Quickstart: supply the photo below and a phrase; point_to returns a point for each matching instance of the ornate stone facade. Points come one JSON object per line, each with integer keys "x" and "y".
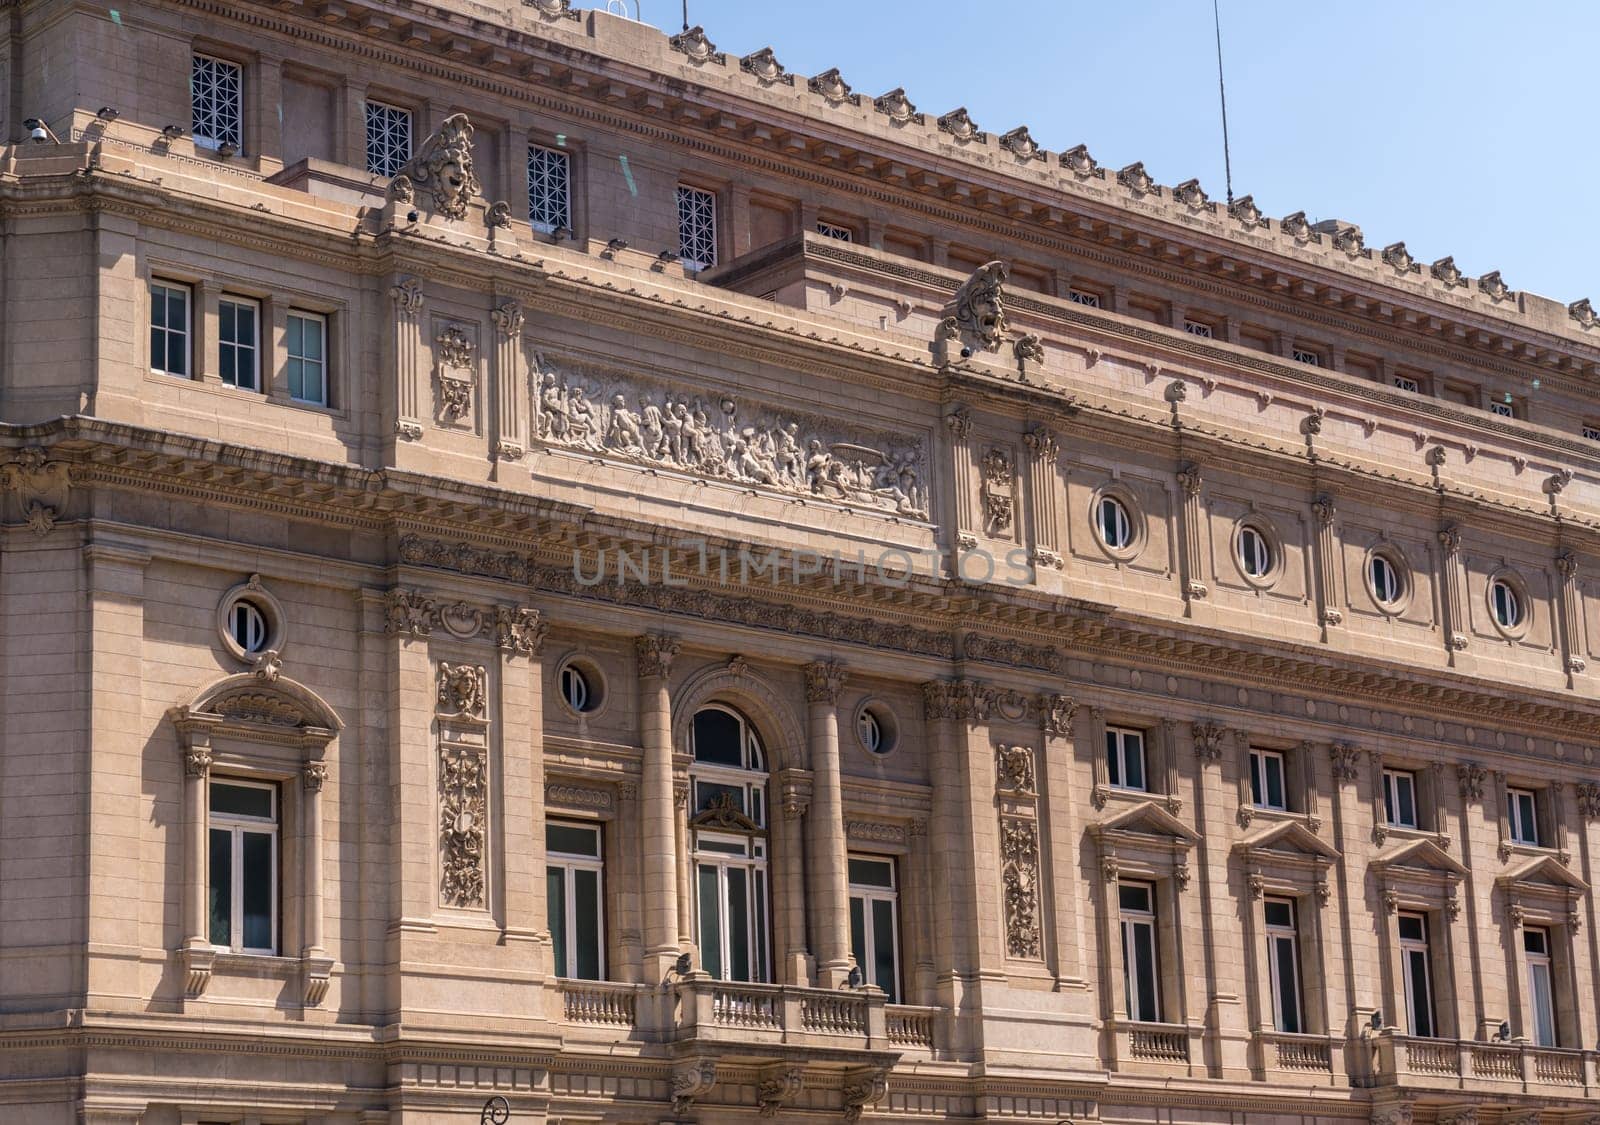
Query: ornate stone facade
{"x": 775, "y": 686}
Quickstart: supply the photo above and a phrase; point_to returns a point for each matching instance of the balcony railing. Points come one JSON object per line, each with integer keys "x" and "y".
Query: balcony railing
{"x": 1305, "y": 1054}
{"x": 1404, "y": 1060}
{"x": 1153, "y": 1042}
{"x": 599, "y": 1002}
{"x": 910, "y": 1027}
{"x": 772, "y": 1013}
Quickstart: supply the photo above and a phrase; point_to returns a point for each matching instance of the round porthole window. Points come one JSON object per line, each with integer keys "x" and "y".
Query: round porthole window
{"x": 1255, "y": 552}
{"x": 581, "y": 685}
{"x": 1116, "y": 529}
{"x": 250, "y": 621}
{"x": 876, "y": 729}
{"x": 1506, "y": 602}
{"x": 1388, "y": 587}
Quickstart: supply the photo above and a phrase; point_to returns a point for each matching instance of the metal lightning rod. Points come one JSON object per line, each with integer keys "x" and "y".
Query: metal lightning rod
{"x": 1222, "y": 93}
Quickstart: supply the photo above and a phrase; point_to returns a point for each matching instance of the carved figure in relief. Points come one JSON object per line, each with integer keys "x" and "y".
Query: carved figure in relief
{"x": 710, "y": 438}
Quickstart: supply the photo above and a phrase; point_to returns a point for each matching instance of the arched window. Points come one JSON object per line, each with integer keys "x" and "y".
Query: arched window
{"x": 729, "y": 825}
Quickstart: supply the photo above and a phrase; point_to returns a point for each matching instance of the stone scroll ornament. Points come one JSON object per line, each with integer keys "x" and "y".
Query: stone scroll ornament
{"x": 713, "y": 436}
{"x": 441, "y": 170}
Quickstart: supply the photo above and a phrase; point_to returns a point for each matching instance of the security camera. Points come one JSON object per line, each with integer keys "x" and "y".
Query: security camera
{"x": 107, "y": 113}
{"x": 38, "y": 132}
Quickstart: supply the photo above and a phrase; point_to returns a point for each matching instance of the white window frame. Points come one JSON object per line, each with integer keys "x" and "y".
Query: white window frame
{"x": 569, "y": 864}
{"x": 1260, "y": 553}
{"x": 867, "y": 894}
{"x": 697, "y": 227}
{"x": 1522, "y": 823}
{"x": 549, "y": 191}
{"x": 393, "y": 147}
{"x": 1260, "y": 761}
{"x": 1121, "y": 522}
{"x": 1388, "y": 590}
{"x": 254, "y": 345}
{"x": 1284, "y": 940}
{"x": 237, "y": 824}
{"x": 1505, "y": 602}
{"x": 1131, "y": 922}
{"x": 1392, "y": 780}
{"x": 1541, "y": 987}
{"x": 1083, "y": 297}
{"x": 158, "y": 286}
{"x": 870, "y": 731}
{"x": 1305, "y": 356}
{"x": 255, "y": 627}
{"x": 1118, "y": 755}
{"x": 1412, "y": 953}
{"x": 218, "y": 110}
{"x": 575, "y": 683}
{"x": 321, "y": 320}
{"x": 758, "y": 893}
{"x": 834, "y": 230}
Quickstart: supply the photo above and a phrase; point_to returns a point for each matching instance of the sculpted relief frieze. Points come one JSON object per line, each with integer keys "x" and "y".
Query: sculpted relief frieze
{"x": 724, "y": 439}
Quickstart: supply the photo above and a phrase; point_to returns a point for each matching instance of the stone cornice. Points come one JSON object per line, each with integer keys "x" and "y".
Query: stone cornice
{"x": 1028, "y": 196}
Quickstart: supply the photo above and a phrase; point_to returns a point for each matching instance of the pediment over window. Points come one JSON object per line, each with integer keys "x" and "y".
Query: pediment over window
{"x": 1420, "y": 857}
{"x": 1150, "y": 821}
{"x": 1541, "y": 873}
{"x": 1288, "y": 839}
{"x": 263, "y": 707}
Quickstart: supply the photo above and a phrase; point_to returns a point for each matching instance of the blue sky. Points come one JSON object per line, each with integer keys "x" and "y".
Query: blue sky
{"x": 1465, "y": 127}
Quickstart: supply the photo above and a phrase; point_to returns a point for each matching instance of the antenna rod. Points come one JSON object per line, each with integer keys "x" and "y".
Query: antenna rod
{"x": 1222, "y": 93}
{"x": 686, "y": 15}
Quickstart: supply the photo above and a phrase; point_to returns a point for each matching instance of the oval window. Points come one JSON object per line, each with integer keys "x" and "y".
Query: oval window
{"x": 248, "y": 626}
{"x": 1507, "y": 605}
{"x": 1255, "y": 553}
{"x": 1385, "y": 580}
{"x": 1116, "y": 530}
{"x": 575, "y": 689}
{"x": 871, "y": 731}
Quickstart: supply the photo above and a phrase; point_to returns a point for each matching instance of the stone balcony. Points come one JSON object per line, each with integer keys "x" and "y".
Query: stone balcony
{"x": 1278, "y": 1056}
{"x": 1448, "y": 1065}
{"x": 1160, "y": 1048}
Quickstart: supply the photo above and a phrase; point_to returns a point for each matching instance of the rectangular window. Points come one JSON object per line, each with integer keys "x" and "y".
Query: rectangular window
{"x": 1407, "y": 383}
{"x": 731, "y": 906}
{"x": 1267, "y": 780}
{"x": 832, "y": 230}
{"x": 1400, "y": 798}
{"x": 874, "y": 922}
{"x": 1083, "y": 297}
{"x": 1283, "y": 960}
{"x": 388, "y": 138}
{"x": 1140, "y": 969}
{"x": 697, "y": 227}
{"x": 549, "y": 190}
{"x": 1302, "y": 355}
{"x": 307, "y": 352}
{"x": 1523, "y": 815}
{"x": 1541, "y": 990}
{"x": 239, "y": 342}
{"x": 1418, "y": 982}
{"x": 1502, "y": 408}
{"x": 575, "y": 891}
{"x": 242, "y": 881}
{"x": 1195, "y": 328}
{"x": 169, "y": 328}
{"x": 1125, "y": 758}
{"x": 216, "y": 99}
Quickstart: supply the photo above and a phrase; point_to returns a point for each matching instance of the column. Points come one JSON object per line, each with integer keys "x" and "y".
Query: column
{"x": 1220, "y": 973}
{"x": 826, "y": 848}
{"x": 685, "y": 869}
{"x": 266, "y": 139}
{"x": 316, "y": 966}
{"x": 627, "y": 952}
{"x": 1056, "y": 713}
{"x": 406, "y": 293}
{"x": 510, "y": 440}
{"x": 1351, "y": 832}
{"x": 1043, "y": 510}
{"x": 413, "y": 835}
{"x": 1571, "y": 632}
{"x": 922, "y": 920}
{"x": 1327, "y": 558}
{"x": 1190, "y": 531}
{"x": 519, "y": 638}
{"x": 1452, "y": 589}
{"x": 959, "y": 422}
{"x": 196, "y": 785}
{"x": 658, "y": 842}
{"x": 795, "y": 799}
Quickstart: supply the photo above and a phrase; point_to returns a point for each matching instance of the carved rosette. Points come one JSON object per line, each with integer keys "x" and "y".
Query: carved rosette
{"x": 824, "y": 680}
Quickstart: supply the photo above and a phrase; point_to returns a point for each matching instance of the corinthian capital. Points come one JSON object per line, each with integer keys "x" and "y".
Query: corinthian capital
{"x": 655, "y": 651}
{"x": 824, "y": 680}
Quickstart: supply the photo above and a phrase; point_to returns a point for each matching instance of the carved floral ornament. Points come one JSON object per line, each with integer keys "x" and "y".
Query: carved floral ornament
{"x": 463, "y": 815}
{"x": 1351, "y": 241}
{"x": 824, "y": 681}
{"x": 40, "y": 484}
{"x": 714, "y": 436}
{"x": 999, "y": 477}
{"x": 1019, "y": 856}
{"x": 1494, "y": 287}
{"x": 407, "y": 296}
{"x": 443, "y": 168}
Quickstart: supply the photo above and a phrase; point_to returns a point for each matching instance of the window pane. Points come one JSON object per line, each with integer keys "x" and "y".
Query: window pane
{"x": 313, "y": 339}
{"x": 586, "y": 912}
{"x": 1287, "y": 985}
{"x": 759, "y": 908}
{"x": 1279, "y": 913}
{"x": 710, "y": 925}
{"x": 158, "y": 306}
{"x": 1133, "y": 764}
{"x": 1134, "y": 896}
{"x": 572, "y": 840}
{"x": 241, "y": 800}
{"x": 295, "y": 333}
{"x": 1275, "y": 782}
{"x": 1420, "y": 999}
{"x": 871, "y": 872}
{"x": 1411, "y": 928}
{"x": 1255, "y": 779}
{"x": 1408, "y": 802}
{"x": 220, "y": 891}
{"x": 316, "y": 387}
{"x": 1113, "y": 756}
{"x": 883, "y": 951}
{"x": 258, "y": 890}
{"x": 1144, "y": 942}
{"x": 858, "y": 930}
{"x": 177, "y": 353}
{"x": 716, "y": 738}
{"x": 555, "y": 889}
{"x": 738, "y": 924}
{"x": 1544, "y": 1013}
